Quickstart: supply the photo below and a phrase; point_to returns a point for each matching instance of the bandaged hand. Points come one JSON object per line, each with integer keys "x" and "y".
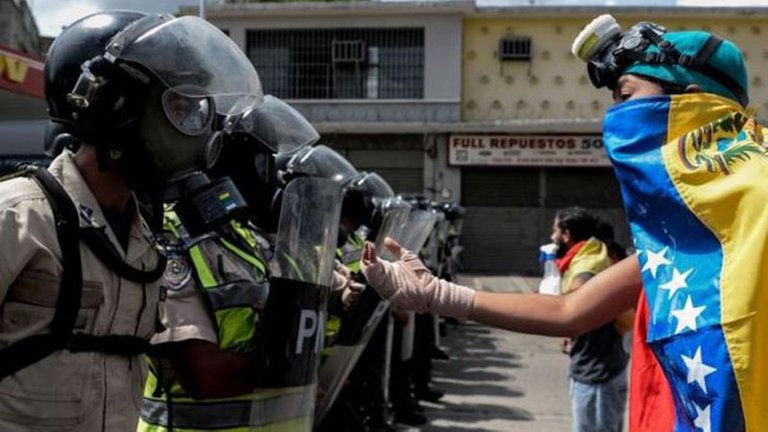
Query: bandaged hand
{"x": 408, "y": 284}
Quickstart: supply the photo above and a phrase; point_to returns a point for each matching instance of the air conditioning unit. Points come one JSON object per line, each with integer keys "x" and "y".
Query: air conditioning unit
{"x": 348, "y": 51}
{"x": 515, "y": 48}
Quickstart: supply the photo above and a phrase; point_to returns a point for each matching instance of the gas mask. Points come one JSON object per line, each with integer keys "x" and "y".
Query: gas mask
{"x": 254, "y": 139}
{"x": 190, "y": 76}
{"x": 609, "y": 52}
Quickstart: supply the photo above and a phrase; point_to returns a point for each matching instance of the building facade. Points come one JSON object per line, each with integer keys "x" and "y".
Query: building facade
{"x": 17, "y": 27}
{"x": 485, "y": 106}
{"x": 22, "y": 106}
{"x": 21, "y": 66}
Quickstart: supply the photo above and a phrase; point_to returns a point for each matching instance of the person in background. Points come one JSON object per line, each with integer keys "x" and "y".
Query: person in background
{"x": 605, "y": 234}
{"x": 598, "y": 362}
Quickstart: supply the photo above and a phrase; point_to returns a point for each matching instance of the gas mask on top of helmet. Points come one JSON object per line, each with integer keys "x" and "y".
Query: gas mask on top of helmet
{"x": 609, "y": 52}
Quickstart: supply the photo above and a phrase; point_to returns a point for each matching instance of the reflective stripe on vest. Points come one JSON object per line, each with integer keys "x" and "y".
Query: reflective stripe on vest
{"x": 233, "y": 304}
{"x": 235, "y": 308}
{"x": 245, "y": 256}
{"x": 272, "y": 409}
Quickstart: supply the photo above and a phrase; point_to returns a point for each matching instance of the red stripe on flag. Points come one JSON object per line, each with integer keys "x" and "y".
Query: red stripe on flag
{"x": 650, "y": 398}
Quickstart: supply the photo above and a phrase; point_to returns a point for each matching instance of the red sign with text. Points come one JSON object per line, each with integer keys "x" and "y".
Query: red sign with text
{"x": 21, "y": 73}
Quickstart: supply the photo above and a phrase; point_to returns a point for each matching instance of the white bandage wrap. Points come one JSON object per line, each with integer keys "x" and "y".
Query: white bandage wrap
{"x": 409, "y": 285}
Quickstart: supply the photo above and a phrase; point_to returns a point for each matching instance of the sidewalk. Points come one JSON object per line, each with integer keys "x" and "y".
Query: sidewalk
{"x": 498, "y": 380}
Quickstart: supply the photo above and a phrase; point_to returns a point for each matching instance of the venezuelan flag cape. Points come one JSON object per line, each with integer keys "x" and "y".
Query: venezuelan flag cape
{"x": 693, "y": 171}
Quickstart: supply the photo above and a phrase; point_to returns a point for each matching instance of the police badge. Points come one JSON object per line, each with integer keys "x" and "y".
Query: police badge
{"x": 177, "y": 271}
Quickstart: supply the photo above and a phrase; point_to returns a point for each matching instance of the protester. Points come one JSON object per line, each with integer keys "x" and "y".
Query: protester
{"x": 598, "y": 384}
{"x": 691, "y": 163}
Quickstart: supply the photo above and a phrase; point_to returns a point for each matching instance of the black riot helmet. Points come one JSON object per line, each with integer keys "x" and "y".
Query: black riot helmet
{"x": 147, "y": 92}
{"x": 417, "y": 200}
{"x": 252, "y": 140}
{"x": 365, "y": 201}
{"x": 453, "y": 211}
{"x": 306, "y": 161}
{"x": 82, "y": 41}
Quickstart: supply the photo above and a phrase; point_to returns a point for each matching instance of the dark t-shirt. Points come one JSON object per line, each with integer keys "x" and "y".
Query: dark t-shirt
{"x": 598, "y": 356}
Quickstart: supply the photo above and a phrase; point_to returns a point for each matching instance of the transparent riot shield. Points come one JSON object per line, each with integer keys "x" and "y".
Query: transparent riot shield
{"x": 420, "y": 225}
{"x": 430, "y": 252}
{"x": 359, "y": 324}
{"x": 396, "y": 224}
{"x": 295, "y": 313}
{"x": 413, "y": 235}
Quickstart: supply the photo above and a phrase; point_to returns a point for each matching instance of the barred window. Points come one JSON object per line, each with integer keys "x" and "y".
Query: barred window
{"x": 339, "y": 63}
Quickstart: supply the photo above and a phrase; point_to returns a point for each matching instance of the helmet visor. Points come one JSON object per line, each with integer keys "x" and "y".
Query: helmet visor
{"x": 189, "y": 53}
{"x": 275, "y": 123}
{"x": 373, "y": 185}
{"x": 321, "y": 161}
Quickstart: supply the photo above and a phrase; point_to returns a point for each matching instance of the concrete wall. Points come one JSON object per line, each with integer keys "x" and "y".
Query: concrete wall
{"x": 440, "y": 180}
{"x": 376, "y": 110}
{"x": 17, "y": 27}
{"x": 442, "y": 66}
{"x": 511, "y": 244}
{"x": 554, "y": 84}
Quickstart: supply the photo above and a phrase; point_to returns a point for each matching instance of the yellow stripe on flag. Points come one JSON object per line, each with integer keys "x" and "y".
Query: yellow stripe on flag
{"x": 726, "y": 187}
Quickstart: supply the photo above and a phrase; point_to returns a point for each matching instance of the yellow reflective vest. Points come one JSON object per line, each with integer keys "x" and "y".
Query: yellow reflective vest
{"x": 231, "y": 277}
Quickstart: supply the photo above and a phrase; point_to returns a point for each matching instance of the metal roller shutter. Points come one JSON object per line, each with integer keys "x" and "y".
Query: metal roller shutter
{"x": 584, "y": 187}
{"x": 501, "y": 226}
{"x": 510, "y": 212}
{"x": 500, "y": 188}
{"x": 399, "y": 159}
{"x": 403, "y": 179}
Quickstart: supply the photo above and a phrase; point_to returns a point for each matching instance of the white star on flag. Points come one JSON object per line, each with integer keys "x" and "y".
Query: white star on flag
{"x": 702, "y": 420}
{"x": 697, "y": 370}
{"x": 679, "y": 281}
{"x": 686, "y": 317}
{"x": 654, "y": 260}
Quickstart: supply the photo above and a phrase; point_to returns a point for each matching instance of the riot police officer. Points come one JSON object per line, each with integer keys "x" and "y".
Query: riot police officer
{"x": 217, "y": 344}
{"x": 79, "y": 266}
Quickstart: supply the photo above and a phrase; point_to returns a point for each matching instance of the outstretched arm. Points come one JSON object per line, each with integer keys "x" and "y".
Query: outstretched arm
{"x": 600, "y": 300}
{"x": 408, "y": 284}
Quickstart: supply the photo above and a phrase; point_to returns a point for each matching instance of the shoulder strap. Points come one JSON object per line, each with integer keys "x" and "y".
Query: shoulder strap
{"x": 34, "y": 348}
{"x": 98, "y": 242}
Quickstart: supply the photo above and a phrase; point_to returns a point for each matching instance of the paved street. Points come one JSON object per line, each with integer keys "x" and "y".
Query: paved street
{"x": 498, "y": 380}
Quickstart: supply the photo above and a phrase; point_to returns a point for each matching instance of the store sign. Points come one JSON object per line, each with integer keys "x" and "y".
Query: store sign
{"x": 20, "y": 73}
{"x": 527, "y": 150}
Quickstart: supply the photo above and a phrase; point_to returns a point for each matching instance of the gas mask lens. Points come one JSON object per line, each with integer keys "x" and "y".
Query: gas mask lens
{"x": 602, "y": 74}
{"x": 608, "y": 51}
{"x": 190, "y": 114}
